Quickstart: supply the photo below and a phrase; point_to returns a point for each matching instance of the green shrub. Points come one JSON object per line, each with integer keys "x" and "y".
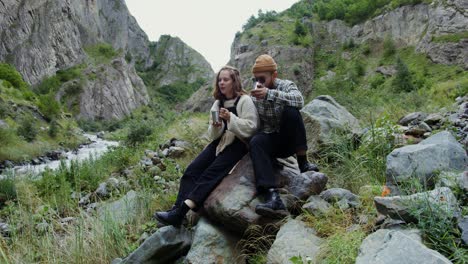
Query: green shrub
{"x": 48, "y": 106}
{"x": 376, "y": 80}
{"x": 138, "y": 133}
{"x": 403, "y": 81}
{"x": 53, "y": 128}
{"x": 269, "y": 16}
{"x": 299, "y": 29}
{"x": 357, "y": 11}
{"x": 389, "y": 47}
{"x": 27, "y": 128}
{"x": 451, "y": 37}
{"x": 101, "y": 53}
{"x": 7, "y": 136}
{"x": 7, "y": 190}
{"x": 10, "y": 74}
{"x": 51, "y": 84}
{"x": 439, "y": 230}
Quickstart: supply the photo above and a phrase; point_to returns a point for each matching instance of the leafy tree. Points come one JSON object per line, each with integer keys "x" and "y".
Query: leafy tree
{"x": 53, "y": 128}
{"x": 299, "y": 29}
{"x": 27, "y": 128}
{"x": 403, "y": 78}
{"x": 9, "y": 73}
{"x": 48, "y": 106}
{"x": 389, "y": 46}
{"x": 138, "y": 133}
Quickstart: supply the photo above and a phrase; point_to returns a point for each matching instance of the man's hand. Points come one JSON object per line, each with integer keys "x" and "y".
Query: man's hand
{"x": 225, "y": 114}
{"x": 259, "y": 93}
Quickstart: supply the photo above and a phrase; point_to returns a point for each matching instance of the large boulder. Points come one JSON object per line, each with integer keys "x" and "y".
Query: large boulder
{"x": 233, "y": 201}
{"x": 294, "y": 239}
{"x": 323, "y": 117}
{"x": 401, "y": 207}
{"x": 211, "y": 244}
{"x": 165, "y": 246}
{"x": 440, "y": 152}
{"x": 121, "y": 211}
{"x": 397, "y": 246}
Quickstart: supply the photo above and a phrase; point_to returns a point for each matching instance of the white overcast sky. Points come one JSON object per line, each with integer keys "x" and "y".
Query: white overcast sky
{"x": 208, "y": 26}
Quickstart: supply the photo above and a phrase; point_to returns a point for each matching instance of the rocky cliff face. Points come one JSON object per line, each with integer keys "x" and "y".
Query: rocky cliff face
{"x": 41, "y": 37}
{"x": 176, "y": 61}
{"x": 416, "y": 26}
{"x": 44, "y": 36}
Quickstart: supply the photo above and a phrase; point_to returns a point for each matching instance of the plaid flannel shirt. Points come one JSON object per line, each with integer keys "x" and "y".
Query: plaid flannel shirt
{"x": 283, "y": 93}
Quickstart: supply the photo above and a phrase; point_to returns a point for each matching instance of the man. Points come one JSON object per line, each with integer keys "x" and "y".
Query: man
{"x": 281, "y": 134}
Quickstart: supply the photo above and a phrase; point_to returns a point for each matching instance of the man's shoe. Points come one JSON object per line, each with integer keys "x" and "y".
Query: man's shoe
{"x": 308, "y": 167}
{"x": 273, "y": 206}
{"x": 173, "y": 217}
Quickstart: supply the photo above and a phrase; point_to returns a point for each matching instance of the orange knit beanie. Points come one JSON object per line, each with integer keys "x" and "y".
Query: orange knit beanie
{"x": 264, "y": 63}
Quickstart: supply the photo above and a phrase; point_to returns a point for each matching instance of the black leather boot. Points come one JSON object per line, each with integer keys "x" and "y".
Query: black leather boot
{"x": 273, "y": 206}
{"x": 308, "y": 167}
{"x": 173, "y": 217}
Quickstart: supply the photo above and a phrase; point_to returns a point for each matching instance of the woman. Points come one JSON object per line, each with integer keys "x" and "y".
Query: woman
{"x": 238, "y": 121}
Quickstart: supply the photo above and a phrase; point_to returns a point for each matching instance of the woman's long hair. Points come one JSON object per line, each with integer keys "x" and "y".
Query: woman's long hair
{"x": 236, "y": 83}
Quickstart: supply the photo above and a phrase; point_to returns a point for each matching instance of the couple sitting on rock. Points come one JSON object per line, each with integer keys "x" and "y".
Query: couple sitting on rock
{"x": 272, "y": 108}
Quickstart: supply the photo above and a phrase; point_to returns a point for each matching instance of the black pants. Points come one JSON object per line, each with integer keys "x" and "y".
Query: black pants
{"x": 207, "y": 171}
{"x": 265, "y": 148}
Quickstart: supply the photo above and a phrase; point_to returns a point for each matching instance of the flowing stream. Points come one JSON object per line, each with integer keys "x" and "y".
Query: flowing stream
{"x": 97, "y": 148}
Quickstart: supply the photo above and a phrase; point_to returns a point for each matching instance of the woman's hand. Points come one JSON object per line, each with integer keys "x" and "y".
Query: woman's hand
{"x": 217, "y": 124}
{"x": 225, "y": 114}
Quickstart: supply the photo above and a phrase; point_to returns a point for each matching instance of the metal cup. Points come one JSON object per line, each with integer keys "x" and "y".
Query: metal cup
{"x": 215, "y": 116}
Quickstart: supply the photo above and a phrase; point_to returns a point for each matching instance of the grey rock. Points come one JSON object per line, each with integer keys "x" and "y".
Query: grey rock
{"x": 165, "y": 152}
{"x": 440, "y": 152}
{"x": 5, "y": 230}
{"x": 419, "y": 129}
{"x": 101, "y": 134}
{"x": 85, "y": 200}
{"x": 3, "y": 124}
{"x": 113, "y": 183}
{"x": 330, "y": 75}
{"x": 401, "y": 207}
{"x": 123, "y": 210}
{"x": 116, "y": 261}
{"x": 113, "y": 94}
{"x": 447, "y": 179}
{"x": 212, "y": 244}
{"x": 143, "y": 237}
{"x": 386, "y": 70}
{"x": 412, "y": 25}
{"x": 156, "y": 160}
{"x": 146, "y": 162}
{"x": 175, "y": 152}
{"x": 102, "y": 190}
{"x": 43, "y": 227}
{"x": 91, "y": 207}
{"x": 155, "y": 170}
{"x": 397, "y": 246}
{"x": 233, "y": 201}
{"x": 463, "y": 181}
{"x": 38, "y": 48}
{"x": 323, "y": 117}
{"x": 164, "y": 246}
{"x": 200, "y": 101}
{"x": 316, "y": 205}
{"x": 181, "y": 144}
{"x": 341, "y": 196}
{"x": 416, "y": 116}
{"x": 294, "y": 239}
{"x": 67, "y": 220}
{"x": 433, "y": 119}
{"x": 463, "y": 226}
